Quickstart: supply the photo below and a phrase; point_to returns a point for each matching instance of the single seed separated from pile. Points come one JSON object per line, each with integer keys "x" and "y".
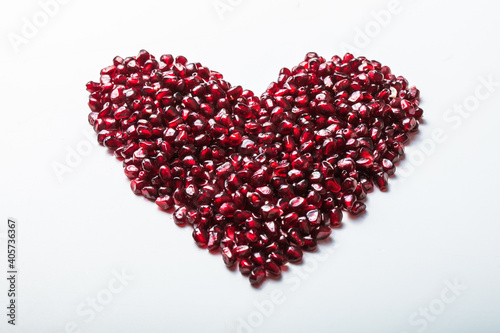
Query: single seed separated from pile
{"x": 261, "y": 179}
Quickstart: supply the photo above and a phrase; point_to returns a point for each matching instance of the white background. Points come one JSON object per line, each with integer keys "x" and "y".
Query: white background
{"x": 436, "y": 226}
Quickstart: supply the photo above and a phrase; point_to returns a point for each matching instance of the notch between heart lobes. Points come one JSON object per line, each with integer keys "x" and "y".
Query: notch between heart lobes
{"x": 260, "y": 179}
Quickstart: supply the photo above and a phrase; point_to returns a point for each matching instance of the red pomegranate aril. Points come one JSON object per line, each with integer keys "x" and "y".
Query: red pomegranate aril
{"x": 314, "y": 216}
{"x": 272, "y": 268}
{"x": 332, "y": 184}
{"x": 388, "y": 167}
{"x": 200, "y": 237}
{"x": 228, "y": 257}
{"x": 358, "y": 207}
{"x": 314, "y": 197}
{"x": 246, "y": 266}
{"x": 214, "y": 238}
{"x": 295, "y": 237}
{"x": 264, "y": 191}
{"x": 149, "y": 192}
{"x": 348, "y": 201}
{"x": 360, "y": 192}
{"x": 316, "y": 177}
{"x": 349, "y": 185}
{"x": 381, "y": 181}
{"x": 310, "y": 243}
{"x": 242, "y": 251}
{"x": 112, "y": 142}
{"x": 179, "y": 196}
{"x": 298, "y": 204}
{"x": 194, "y": 217}
{"x": 227, "y": 209}
{"x": 131, "y": 171}
{"x": 257, "y": 258}
{"x": 271, "y": 229}
{"x": 270, "y": 212}
{"x": 301, "y": 187}
{"x": 136, "y": 185}
{"x": 290, "y": 220}
{"x": 180, "y": 216}
{"x": 164, "y": 173}
{"x": 336, "y": 217}
{"x": 303, "y": 226}
{"x": 278, "y": 258}
{"x": 367, "y": 184}
{"x": 252, "y": 235}
{"x": 257, "y": 276}
{"x": 346, "y": 164}
{"x": 293, "y": 253}
{"x": 321, "y": 232}
{"x": 165, "y": 202}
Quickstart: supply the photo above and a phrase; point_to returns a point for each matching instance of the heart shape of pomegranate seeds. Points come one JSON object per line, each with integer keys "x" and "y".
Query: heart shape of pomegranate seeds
{"x": 261, "y": 179}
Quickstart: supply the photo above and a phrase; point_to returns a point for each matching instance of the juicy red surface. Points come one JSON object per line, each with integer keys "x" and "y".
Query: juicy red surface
{"x": 260, "y": 178}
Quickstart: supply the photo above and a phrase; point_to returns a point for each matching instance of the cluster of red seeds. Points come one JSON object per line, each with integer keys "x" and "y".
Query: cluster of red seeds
{"x": 264, "y": 178}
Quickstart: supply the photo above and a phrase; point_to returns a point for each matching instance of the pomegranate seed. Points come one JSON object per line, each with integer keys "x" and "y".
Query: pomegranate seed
{"x": 298, "y": 204}
{"x": 272, "y": 268}
{"x": 293, "y": 253}
{"x": 358, "y": 208}
{"x": 278, "y": 258}
{"x": 200, "y": 237}
{"x": 228, "y": 257}
{"x": 242, "y": 251}
{"x": 314, "y": 216}
{"x": 246, "y": 266}
{"x": 149, "y": 192}
{"x": 180, "y": 216}
{"x": 166, "y": 202}
{"x": 336, "y": 217}
{"x": 321, "y": 232}
{"x": 257, "y": 276}
{"x": 214, "y": 238}
{"x": 309, "y": 243}
{"x": 381, "y": 181}
{"x": 269, "y": 212}
{"x": 388, "y": 167}
{"x": 227, "y": 209}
